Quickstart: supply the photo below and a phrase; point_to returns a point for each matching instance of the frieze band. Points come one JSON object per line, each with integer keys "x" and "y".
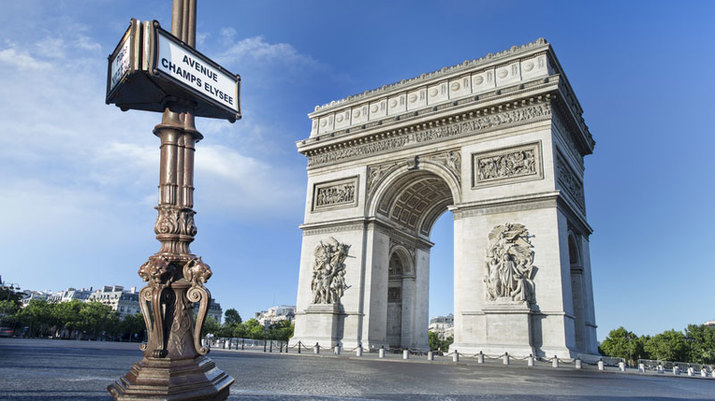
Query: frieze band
{"x": 431, "y": 135}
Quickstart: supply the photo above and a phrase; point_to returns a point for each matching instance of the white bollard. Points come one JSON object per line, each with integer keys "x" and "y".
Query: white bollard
{"x": 577, "y": 363}
{"x": 480, "y": 357}
{"x": 660, "y": 368}
{"x": 600, "y": 365}
{"x": 358, "y": 351}
{"x": 405, "y": 354}
{"x": 430, "y": 356}
{"x": 555, "y": 362}
{"x": 530, "y": 361}
{"x": 381, "y": 353}
{"x": 506, "y": 359}
{"x": 622, "y": 366}
{"x": 676, "y": 370}
{"x": 641, "y": 368}
{"x": 712, "y": 374}
{"x": 703, "y": 372}
{"x": 337, "y": 349}
{"x": 455, "y": 356}
{"x": 691, "y": 371}
{"x": 316, "y": 349}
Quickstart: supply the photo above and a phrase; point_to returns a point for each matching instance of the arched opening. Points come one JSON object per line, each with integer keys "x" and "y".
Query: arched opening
{"x": 577, "y": 290}
{"x": 410, "y": 205}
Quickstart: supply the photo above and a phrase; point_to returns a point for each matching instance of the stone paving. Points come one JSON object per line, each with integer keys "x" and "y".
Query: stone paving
{"x": 71, "y": 370}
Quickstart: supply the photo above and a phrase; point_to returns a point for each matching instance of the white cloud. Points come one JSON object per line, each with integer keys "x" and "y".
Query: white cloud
{"x": 258, "y": 54}
{"x": 21, "y": 60}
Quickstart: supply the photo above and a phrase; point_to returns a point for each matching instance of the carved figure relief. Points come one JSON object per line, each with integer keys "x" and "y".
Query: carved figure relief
{"x": 328, "y": 284}
{"x": 523, "y": 162}
{"x": 340, "y": 193}
{"x": 569, "y": 182}
{"x": 509, "y": 264}
{"x": 451, "y": 159}
{"x": 407, "y": 139}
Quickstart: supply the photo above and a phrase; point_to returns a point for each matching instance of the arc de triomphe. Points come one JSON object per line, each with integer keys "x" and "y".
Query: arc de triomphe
{"x": 499, "y": 142}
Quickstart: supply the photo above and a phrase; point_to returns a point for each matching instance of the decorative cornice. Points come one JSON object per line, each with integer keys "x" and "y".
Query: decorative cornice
{"x": 467, "y": 65}
{"x": 468, "y": 123}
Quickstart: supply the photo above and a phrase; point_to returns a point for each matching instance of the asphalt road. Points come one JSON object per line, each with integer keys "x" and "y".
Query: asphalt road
{"x": 69, "y": 370}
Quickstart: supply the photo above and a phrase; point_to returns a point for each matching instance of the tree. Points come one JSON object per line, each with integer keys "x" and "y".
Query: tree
{"x": 281, "y": 330}
{"x": 701, "y": 343}
{"x": 8, "y": 310}
{"x": 37, "y": 317}
{"x": 231, "y": 317}
{"x": 96, "y": 318}
{"x": 669, "y": 345}
{"x": 622, "y": 343}
{"x": 211, "y": 325}
{"x": 436, "y": 344}
{"x": 132, "y": 327}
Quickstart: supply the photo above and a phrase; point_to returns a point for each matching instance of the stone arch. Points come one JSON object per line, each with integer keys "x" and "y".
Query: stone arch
{"x": 414, "y": 195}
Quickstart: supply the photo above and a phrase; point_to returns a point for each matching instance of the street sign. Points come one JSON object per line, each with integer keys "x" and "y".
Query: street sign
{"x": 150, "y": 66}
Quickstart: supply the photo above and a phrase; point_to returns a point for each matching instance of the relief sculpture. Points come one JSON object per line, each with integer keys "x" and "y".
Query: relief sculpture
{"x": 507, "y": 165}
{"x": 336, "y": 193}
{"x": 328, "y": 284}
{"x": 509, "y": 269}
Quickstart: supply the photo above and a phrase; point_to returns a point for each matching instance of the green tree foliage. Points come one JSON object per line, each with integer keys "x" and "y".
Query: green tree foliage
{"x": 6, "y": 294}
{"x": 37, "y": 317}
{"x": 282, "y": 330}
{"x": 211, "y": 326}
{"x": 436, "y": 344}
{"x": 701, "y": 342}
{"x": 622, "y": 343}
{"x": 231, "y": 317}
{"x": 669, "y": 345}
{"x": 132, "y": 327}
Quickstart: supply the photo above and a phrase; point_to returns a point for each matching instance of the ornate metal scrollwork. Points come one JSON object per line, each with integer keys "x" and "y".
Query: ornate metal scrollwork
{"x": 196, "y": 272}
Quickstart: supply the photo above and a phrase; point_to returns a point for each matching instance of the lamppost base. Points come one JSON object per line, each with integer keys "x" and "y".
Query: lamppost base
{"x": 155, "y": 379}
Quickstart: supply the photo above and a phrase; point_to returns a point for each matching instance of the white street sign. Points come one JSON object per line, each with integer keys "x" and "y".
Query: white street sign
{"x": 195, "y": 72}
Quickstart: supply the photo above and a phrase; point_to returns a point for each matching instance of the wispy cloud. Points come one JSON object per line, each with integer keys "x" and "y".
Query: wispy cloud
{"x": 21, "y": 60}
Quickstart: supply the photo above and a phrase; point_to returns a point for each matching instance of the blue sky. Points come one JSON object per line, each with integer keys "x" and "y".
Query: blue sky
{"x": 78, "y": 178}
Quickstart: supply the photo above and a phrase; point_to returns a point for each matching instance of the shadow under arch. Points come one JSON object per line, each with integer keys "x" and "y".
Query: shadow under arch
{"x": 413, "y": 195}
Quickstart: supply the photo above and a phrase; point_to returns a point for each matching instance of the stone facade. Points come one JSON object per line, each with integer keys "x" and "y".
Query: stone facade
{"x": 499, "y": 142}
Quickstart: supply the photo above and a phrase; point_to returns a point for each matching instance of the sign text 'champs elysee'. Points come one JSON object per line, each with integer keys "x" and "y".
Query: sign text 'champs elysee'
{"x": 150, "y": 65}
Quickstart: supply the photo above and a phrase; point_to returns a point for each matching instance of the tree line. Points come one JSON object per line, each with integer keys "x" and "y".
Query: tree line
{"x": 696, "y": 344}
{"x": 74, "y": 319}
{"x": 233, "y": 326}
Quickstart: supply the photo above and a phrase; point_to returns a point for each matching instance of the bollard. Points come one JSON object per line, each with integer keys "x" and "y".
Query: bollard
{"x": 264, "y": 345}
{"x": 530, "y": 361}
{"x": 405, "y": 354}
{"x": 480, "y": 357}
{"x": 455, "y": 356}
{"x": 660, "y": 368}
{"x": 555, "y": 362}
{"x": 676, "y": 370}
{"x": 430, "y": 356}
{"x": 691, "y": 371}
{"x": 712, "y": 373}
{"x": 381, "y": 352}
{"x": 337, "y": 349}
{"x": 223, "y": 344}
{"x": 600, "y": 365}
{"x": 358, "y": 351}
{"x": 506, "y": 359}
{"x": 299, "y": 345}
{"x": 622, "y": 366}
{"x": 703, "y": 372}
{"x": 281, "y": 348}
{"x": 316, "y": 349}
{"x": 641, "y": 368}
{"x": 271, "y": 349}
{"x": 577, "y": 363}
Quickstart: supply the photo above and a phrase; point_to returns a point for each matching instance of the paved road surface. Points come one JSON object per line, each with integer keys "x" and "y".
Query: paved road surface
{"x": 69, "y": 370}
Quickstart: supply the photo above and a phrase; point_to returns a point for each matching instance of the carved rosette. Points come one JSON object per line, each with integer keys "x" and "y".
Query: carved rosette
{"x": 328, "y": 283}
{"x": 509, "y": 265}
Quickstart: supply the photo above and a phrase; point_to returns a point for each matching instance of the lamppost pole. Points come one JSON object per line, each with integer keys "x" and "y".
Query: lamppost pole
{"x": 174, "y": 366}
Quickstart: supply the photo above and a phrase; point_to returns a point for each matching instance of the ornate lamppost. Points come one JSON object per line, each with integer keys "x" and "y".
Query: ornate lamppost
{"x": 175, "y": 366}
